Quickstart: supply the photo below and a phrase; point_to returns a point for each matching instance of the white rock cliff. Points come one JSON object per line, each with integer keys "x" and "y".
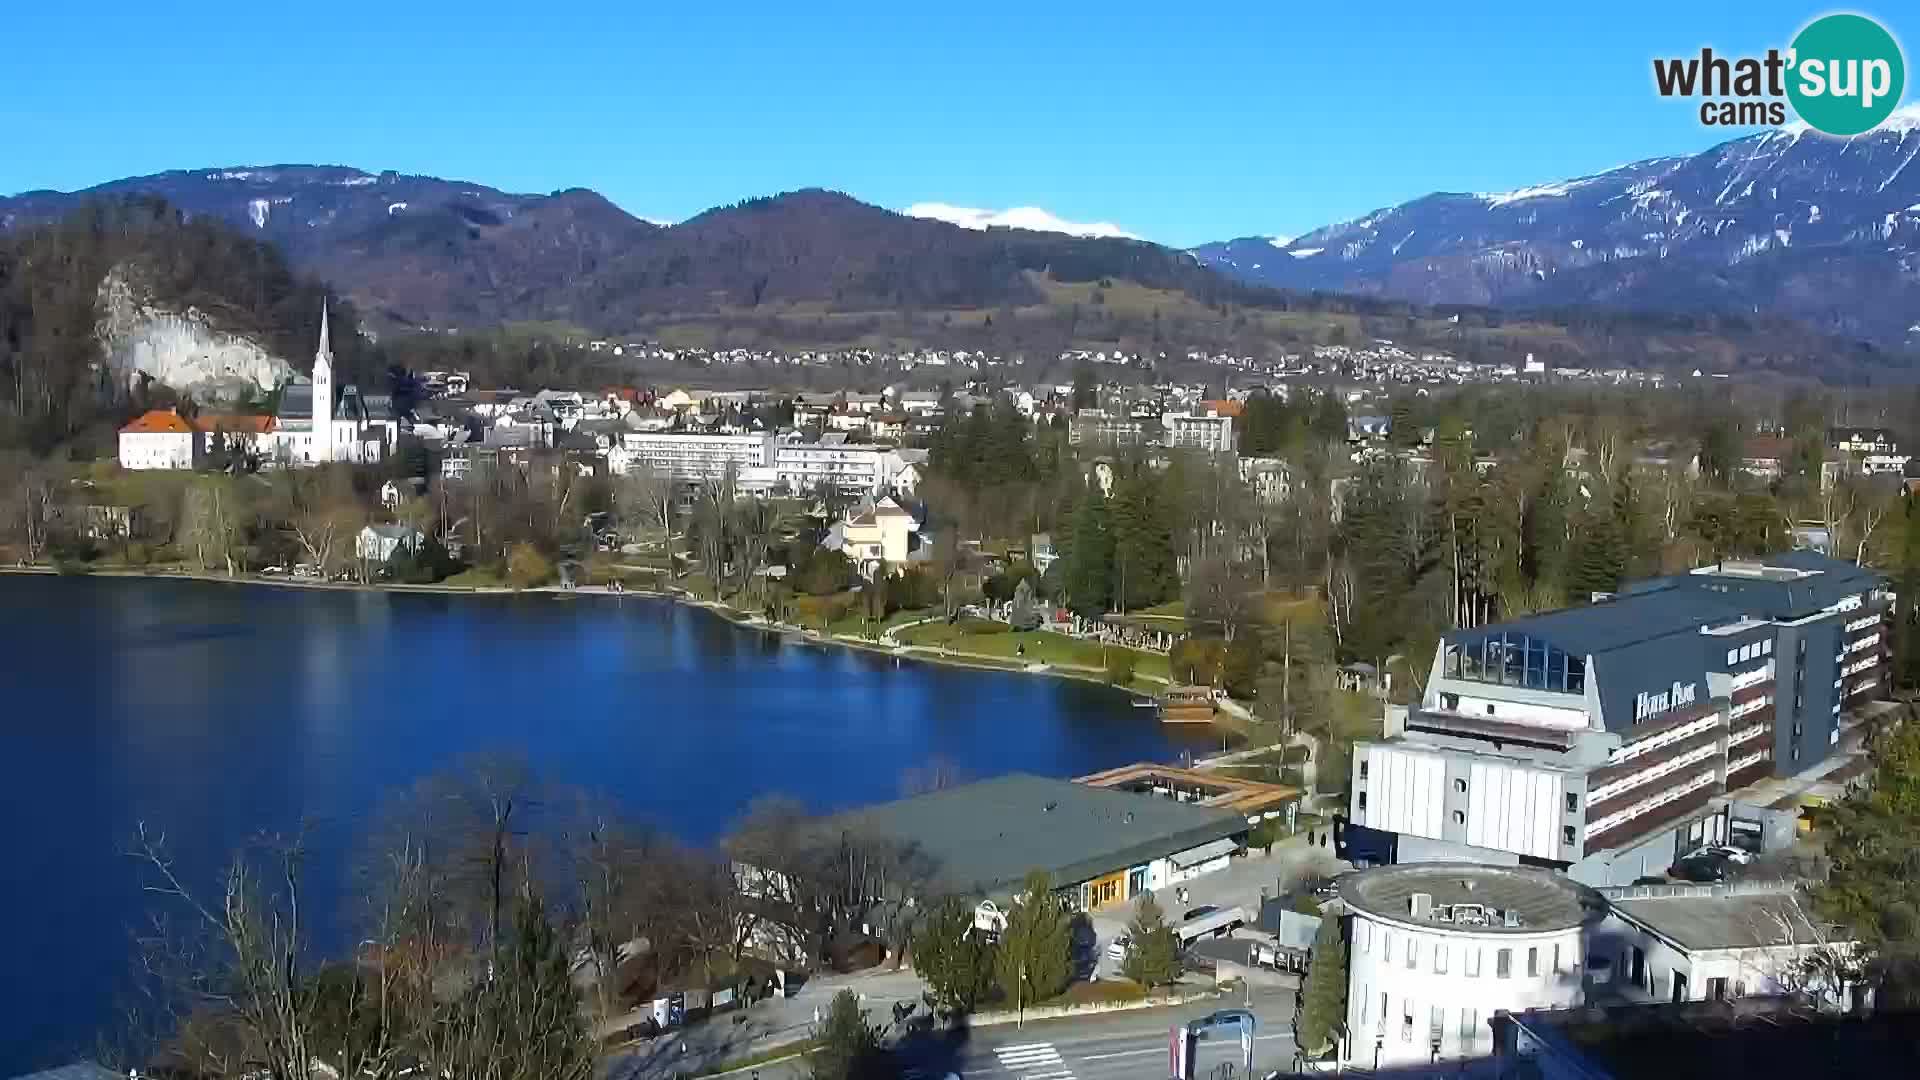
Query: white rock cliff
{"x": 180, "y": 349}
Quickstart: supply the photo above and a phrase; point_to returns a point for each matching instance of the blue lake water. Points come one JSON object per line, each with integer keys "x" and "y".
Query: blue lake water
{"x": 213, "y": 712}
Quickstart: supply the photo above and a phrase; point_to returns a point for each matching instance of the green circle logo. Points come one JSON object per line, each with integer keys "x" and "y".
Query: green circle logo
{"x": 1847, "y": 74}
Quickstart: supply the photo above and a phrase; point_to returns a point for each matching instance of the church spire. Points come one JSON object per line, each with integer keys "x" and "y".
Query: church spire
{"x": 326, "y": 345}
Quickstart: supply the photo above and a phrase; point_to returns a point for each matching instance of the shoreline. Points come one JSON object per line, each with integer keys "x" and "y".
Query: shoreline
{"x": 732, "y": 615}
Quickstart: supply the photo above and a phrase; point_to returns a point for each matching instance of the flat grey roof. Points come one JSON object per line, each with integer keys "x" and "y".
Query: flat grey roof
{"x": 985, "y": 837}
{"x": 1542, "y": 900}
{"x": 1700, "y": 918}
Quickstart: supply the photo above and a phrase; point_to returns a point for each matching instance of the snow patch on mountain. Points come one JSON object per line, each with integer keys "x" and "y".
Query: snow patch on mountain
{"x": 258, "y": 209}
{"x": 1303, "y": 253}
{"x": 1030, "y": 218}
{"x": 1539, "y": 191}
{"x": 1904, "y": 118}
{"x": 1281, "y": 241}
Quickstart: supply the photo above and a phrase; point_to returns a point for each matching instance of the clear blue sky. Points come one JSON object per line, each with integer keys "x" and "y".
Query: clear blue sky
{"x": 1235, "y": 119}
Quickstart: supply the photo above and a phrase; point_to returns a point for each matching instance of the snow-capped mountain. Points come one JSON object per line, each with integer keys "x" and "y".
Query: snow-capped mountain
{"x": 1787, "y": 222}
{"x": 1031, "y": 218}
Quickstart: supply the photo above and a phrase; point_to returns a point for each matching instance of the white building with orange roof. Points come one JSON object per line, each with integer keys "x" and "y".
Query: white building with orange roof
{"x": 160, "y": 439}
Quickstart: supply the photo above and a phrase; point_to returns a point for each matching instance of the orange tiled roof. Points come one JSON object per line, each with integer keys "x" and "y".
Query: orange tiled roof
{"x": 158, "y": 421}
{"x": 1228, "y": 407}
{"x": 235, "y": 422}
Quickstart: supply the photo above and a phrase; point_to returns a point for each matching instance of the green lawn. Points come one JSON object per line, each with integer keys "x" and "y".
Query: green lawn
{"x": 1040, "y": 647}
{"x": 854, "y": 624}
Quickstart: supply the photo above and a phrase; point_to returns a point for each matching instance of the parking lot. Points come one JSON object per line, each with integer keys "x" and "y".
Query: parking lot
{"x": 1240, "y": 884}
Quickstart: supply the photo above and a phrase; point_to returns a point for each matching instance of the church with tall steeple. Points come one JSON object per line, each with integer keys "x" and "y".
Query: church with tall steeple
{"x": 323, "y": 391}
{"x": 318, "y": 423}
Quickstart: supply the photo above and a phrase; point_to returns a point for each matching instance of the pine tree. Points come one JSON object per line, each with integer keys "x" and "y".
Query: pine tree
{"x": 1035, "y": 959}
{"x": 1088, "y": 557}
{"x": 1874, "y": 843}
{"x": 1143, "y": 540}
{"x": 848, "y": 1047}
{"x": 956, "y": 962}
{"x": 1153, "y": 958}
{"x": 1324, "y": 997}
{"x": 1599, "y": 560}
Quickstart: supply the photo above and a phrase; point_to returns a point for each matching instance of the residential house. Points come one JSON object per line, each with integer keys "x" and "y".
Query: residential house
{"x": 1869, "y": 450}
{"x": 1270, "y": 478}
{"x": 1765, "y": 456}
{"x": 1041, "y": 552}
{"x": 379, "y": 543}
{"x": 920, "y": 402}
{"x": 234, "y": 433}
{"x": 878, "y": 536}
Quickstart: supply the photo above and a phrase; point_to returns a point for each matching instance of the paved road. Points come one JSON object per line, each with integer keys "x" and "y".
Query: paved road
{"x": 1116, "y": 1046}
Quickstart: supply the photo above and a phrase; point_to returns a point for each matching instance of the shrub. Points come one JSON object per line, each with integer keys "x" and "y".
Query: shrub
{"x": 526, "y": 567}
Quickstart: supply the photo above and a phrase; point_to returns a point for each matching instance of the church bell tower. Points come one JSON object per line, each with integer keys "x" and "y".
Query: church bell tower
{"x": 323, "y": 393}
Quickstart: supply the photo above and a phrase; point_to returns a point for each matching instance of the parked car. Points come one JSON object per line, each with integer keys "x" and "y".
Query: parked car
{"x": 1194, "y": 913}
{"x": 1702, "y": 868}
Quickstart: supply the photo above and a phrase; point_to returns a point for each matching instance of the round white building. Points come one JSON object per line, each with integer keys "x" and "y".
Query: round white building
{"x": 1434, "y": 949}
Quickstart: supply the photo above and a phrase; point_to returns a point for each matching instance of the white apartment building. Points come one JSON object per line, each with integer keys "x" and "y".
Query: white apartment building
{"x": 1210, "y": 431}
{"x": 803, "y": 465}
{"x": 686, "y": 456}
{"x": 1435, "y": 949}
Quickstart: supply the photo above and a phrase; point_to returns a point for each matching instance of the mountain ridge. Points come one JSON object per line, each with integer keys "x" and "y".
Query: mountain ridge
{"x": 1781, "y": 222}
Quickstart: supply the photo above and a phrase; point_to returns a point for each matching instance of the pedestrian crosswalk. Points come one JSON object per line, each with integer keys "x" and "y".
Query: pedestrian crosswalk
{"x": 1034, "y": 1061}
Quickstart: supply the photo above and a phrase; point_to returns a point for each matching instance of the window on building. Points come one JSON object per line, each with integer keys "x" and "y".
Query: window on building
{"x": 1406, "y": 1019}
{"x": 1440, "y": 958}
{"x": 1533, "y": 963}
{"x": 1503, "y": 964}
{"x": 1366, "y": 936}
{"x": 1362, "y": 802}
{"x": 1469, "y": 1026}
{"x": 1459, "y": 817}
{"x": 1733, "y": 657}
{"x": 1556, "y": 958}
{"x": 1489, "y": 708}
{"x": 1413, "y": 953}
{"x": 1573, "y": 802}
{"x": 1437, "y": 1025}
{"x": 1460, "y": 786}
{"x": 1383, "y": 1009}
{"x": 1363, "y": 768}
{"x": 1386, "y": 945}
{"x": 1472, "y": 957}
{"x": 1766, "y": 647}
{"x": 1567, "y": 835}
